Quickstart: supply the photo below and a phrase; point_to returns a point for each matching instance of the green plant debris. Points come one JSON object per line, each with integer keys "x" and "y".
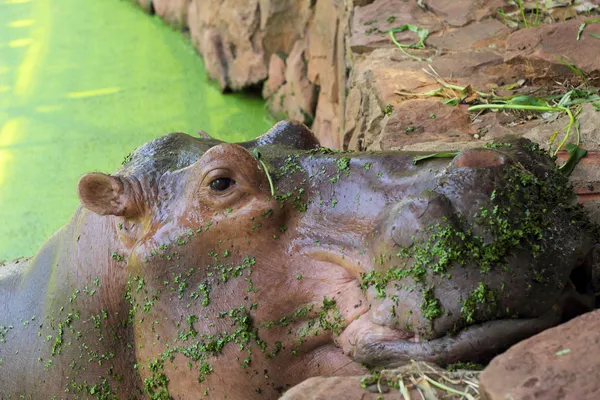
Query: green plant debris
{"x": 422, "y": 34}
{"x": 482, "y": 296}
{"x": 388, "y": 110}
{"x": 434, "y": 155}
{"x": 471, "y": 366}
{"x": 258, "y": 156}
{"x": 576, "y": 153}
{"x": 568, "y": 62}
{"x": 156, "y": 385}
{"x": 586, "y": 23}
{"x": 563, "y": 352}
{"x": 431, "y": 306}
{"x": 370, "y": 22}
{"x": 3, "y": 331}
{"x": 117, "y": 257}
{"x": 390, "y": 19}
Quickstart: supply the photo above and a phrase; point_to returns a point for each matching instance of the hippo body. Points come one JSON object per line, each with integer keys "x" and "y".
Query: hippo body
{"x": 185, "y": 275}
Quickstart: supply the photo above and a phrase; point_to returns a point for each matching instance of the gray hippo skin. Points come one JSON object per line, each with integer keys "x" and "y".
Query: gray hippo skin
{"x": 182, "y": 275}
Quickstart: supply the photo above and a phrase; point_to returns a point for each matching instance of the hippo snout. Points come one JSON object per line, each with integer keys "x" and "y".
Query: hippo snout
{"x": 491, "y": 252}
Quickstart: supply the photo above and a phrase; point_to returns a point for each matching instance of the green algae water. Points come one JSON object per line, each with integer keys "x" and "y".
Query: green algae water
{"x": 82, "y": 83}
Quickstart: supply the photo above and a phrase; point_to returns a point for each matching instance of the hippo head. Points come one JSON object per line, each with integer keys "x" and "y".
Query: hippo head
{"x": 253, "y": 266}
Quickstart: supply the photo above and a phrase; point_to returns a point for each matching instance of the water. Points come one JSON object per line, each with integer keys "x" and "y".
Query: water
{"x": 82, "y": 83}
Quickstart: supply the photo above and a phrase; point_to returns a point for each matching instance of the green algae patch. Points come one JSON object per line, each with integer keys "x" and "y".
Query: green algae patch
{"x": 87, "y": 107}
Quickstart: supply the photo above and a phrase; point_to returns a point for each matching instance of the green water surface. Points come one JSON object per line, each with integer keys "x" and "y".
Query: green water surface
{"x": 82, "y": 83}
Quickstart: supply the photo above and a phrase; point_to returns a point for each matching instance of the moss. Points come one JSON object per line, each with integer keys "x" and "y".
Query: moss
{"x": 3, "y": 331}
{"x": 471, "y": 366}
{"x": 431, "y": 306}
{"x": 480, "y": 297}
{"x": 156, "y": 385}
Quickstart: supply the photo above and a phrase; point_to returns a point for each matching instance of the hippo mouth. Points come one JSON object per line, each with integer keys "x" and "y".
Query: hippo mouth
{"x": 374, "y": 345}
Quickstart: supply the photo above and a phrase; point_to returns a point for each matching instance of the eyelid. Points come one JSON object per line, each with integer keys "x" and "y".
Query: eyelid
{"x": 216, "y": 174}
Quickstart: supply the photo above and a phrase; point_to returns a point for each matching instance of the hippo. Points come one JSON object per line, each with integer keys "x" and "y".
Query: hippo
{"x": 203, "y": 268}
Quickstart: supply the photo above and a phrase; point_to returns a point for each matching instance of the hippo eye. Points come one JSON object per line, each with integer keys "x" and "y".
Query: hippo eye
{"x": 221, "y": 184}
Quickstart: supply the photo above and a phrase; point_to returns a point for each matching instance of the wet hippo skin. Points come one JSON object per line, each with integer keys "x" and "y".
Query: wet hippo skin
{"x": 182, "y": 275}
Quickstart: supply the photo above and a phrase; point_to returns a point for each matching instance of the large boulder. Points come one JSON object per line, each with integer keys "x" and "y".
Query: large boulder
{"x": 560, "y": 363}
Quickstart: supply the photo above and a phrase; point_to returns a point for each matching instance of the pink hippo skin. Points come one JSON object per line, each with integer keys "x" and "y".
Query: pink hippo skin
{"x": 182, "y": 276}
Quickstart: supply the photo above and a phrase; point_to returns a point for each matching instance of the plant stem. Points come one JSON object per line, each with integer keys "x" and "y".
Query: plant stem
{"x": 268, "y": 177}
{"x": 535, "y": 108}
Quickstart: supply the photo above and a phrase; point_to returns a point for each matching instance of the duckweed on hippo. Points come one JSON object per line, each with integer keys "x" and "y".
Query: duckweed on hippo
{"x": 183, "y": 275}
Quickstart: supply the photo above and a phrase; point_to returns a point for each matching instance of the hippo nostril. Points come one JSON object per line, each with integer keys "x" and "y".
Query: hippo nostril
{"x": 578, "y": 294}
{"x": 479, "y": 158}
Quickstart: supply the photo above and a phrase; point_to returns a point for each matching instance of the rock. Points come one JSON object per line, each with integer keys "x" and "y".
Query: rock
{"x": 227, "y": 34}
{"x": 276, "y": 76}
{"x": 327, "y": 124}
{"x": 535, "y": 50}
{"x": 296, "y": 98}
{"x": 425, "y": 121}
{"x": 173, "y": 12}
{"x": 487, "y": 33}
{"x": 386, "y": 77}
{"x": 283, "y": 22}
{"x": 370, "y": 23}
{"x": 322, "y": 388}
{"x": 322, "y": 47}
{"x": 461, "y": 12}
{"x": 559, "y": 363}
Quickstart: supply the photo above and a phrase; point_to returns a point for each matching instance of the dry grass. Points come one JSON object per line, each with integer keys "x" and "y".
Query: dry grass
{"x": 423, "y": 381}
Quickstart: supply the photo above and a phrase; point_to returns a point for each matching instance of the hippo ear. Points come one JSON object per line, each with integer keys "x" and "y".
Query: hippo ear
{"x": 287, "y": 133}
{"x": 107, "y": 195}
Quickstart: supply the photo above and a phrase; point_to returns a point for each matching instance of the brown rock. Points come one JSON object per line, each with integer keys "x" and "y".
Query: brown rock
{"x": 326, "y": 125}
{"x": 461, "y": 12}
{"x": 370, "y": 22}
{"x": 335, "y": 387}
{"x": 276, "y": 76}
{"x": 487, "y": 33}
{"x": 385, "y": 74}
{"x": 173, "y": 12}
{"x": 560, "y": 363}
{"x": 426, "y": 120}
{"x": 283, "y": 22}
{"x": 322, "y": 48}
{"x": 296, "y": 98}
{"x": 536, "y": 50}
{"x": 227, "y": 34}
{"x": 215, "y": 56}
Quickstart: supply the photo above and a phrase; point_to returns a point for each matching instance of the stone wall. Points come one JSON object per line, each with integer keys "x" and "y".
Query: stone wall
{"x": 332, "y": 65}
{"x": 294, "y": 49}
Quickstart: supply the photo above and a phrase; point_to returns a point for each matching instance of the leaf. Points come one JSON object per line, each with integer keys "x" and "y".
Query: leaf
{"x": 434, "y": 155}
{"x": 576, "y": 153}
{"x": 528, "y": 101}
{"x": 552, "y": 137}
{"x": 594, "y": 35}
{"x": 580, "y": 31}
{"x": 597, "y": 105}
{"x": 452, "y": 102}
{"x": 256, "y": 153}
{"x": 422, "y": 34}
{"x": 586, "y": 23}
{"x": 563, "y": 352}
